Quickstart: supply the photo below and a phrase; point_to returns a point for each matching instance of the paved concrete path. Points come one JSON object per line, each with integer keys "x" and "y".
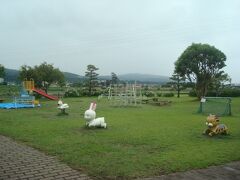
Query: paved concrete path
{"x": 230, "y": 171}
{"x": 18, "y": 161}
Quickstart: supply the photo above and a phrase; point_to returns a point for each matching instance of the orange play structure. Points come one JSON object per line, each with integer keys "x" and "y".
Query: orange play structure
{"x": 29, "y": 86}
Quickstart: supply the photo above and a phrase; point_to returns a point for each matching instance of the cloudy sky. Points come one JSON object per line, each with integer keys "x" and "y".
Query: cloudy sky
{"x": 121, "y": 36}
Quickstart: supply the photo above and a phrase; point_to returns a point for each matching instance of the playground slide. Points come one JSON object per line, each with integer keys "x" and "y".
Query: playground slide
{"x": 43, "y": 93}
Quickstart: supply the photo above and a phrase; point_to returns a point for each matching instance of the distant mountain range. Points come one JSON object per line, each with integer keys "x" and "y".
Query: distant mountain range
{"x": 73, "y": 78}
{"x": 12, "y": 76}
{"x": 144, "y": 78}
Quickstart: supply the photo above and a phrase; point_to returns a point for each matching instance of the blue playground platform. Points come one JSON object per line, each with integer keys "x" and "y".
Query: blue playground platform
{"x": 15, "y": 106}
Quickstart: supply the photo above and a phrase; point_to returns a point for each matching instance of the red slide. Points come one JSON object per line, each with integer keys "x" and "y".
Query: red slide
{"x": 43, "y": 93}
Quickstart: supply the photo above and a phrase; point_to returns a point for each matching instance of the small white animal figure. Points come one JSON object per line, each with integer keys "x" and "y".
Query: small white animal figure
{"x": 62, "y": 106}
{"x": 90, "y": 117}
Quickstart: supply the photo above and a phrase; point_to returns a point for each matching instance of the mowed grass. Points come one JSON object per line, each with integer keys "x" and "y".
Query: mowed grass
{"x": 139, "y": 141}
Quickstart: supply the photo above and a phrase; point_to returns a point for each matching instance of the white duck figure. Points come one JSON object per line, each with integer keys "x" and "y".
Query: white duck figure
{"x": 62, "y": 106}
{"x": 90, "y": 117}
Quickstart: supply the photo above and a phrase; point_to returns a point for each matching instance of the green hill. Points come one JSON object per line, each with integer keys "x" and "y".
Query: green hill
{"x": 11, "y": 75}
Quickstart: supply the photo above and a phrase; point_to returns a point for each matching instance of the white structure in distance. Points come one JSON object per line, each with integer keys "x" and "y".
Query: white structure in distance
{"x": 125, "y": 95}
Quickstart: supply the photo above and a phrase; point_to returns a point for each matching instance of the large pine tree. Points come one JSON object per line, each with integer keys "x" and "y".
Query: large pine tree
{"x": 91, "y": 77}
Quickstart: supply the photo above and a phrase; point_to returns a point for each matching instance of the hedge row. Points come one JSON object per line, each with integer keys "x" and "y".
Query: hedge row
{"x": 224, "y": 93}
{"x": 152, "y": 94}
{"x": 80, "y": 93}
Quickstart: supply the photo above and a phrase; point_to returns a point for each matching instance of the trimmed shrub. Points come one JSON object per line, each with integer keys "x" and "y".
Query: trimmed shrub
{"x": 71, "y": 93}
{"x": 82, "y": 92}
{"x": 149, "y": 94}
{"x": 97, "y": 93}
{"x": 192, "y": 93}
{"x": 159, "y": 94}
{"x": 224, "y": 93}
{"x": 230, "y": 93}
{"x": 155, "y": 99}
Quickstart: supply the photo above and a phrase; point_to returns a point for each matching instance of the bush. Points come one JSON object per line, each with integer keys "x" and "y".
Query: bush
{"x": 159, "y": 94}
{"x": 82, "y": 92}
{"x": 230, "y": 93}
{"x": 224, "y": 93}
{"x": 192, "y": 93}
{"x": 97, "y": 93}
{"x": 149, "y": 94}
{"x": 168, "y": 95}
{"x": 71, "y": 93}
{"x": 155, "y": 99}
{"x": 3, "y": 83}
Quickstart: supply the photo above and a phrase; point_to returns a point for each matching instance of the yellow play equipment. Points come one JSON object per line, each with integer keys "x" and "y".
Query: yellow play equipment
{"x": 28, "y": 84}
{"x": 214, "y": 127}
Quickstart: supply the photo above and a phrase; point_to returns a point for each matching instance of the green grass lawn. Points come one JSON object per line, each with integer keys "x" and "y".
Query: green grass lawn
{"x": 139, "y": 142}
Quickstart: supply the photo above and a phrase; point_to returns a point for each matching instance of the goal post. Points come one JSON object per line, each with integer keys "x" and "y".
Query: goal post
{"x": 220, "y": 106}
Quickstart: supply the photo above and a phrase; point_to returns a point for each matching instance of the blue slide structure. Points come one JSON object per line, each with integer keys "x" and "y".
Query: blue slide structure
{"x": 15, "y": 105}
{"x": 23, "y": 101}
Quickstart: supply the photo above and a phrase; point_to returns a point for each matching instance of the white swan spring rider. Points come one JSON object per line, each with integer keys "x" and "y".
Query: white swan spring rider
{"x": 90, "y": 117}
{"x": 62, "y": 106}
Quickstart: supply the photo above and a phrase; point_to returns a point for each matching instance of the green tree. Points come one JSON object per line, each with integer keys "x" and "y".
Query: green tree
{"x": 91, "y": 78}
{"x": 2, "y": 71}
{"x": 47, "y": 75}
{"x": 177, "y": 82}
{"x": 27, "y": 72}
{"x": 114, "y": 79}
{"x": 43, "y": 75}
{"x": 200, "y": 63}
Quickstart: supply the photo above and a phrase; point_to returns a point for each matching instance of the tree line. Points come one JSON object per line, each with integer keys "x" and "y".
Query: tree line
{"x": 200, "y": 65}
{"x": 44, "y": 75}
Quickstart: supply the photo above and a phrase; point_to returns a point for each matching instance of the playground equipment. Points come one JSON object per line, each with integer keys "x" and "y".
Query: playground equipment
{"x": 23, "y": 101}
{"x": 43, "y": 93}
{"x": 214, "y": 127}
{"x": 62, "y": 107}
{"x": 30, "y": 87}
{"x": 28, "y": 84}
{"x": 127, "y": 95}
{"x": 90, "y": 117}
{"x": 15, "y": 105}
{"x": 220, "y": 106}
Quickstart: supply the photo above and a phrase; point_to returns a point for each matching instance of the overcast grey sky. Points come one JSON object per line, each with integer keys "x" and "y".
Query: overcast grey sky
{"x": 121, "y": 36}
